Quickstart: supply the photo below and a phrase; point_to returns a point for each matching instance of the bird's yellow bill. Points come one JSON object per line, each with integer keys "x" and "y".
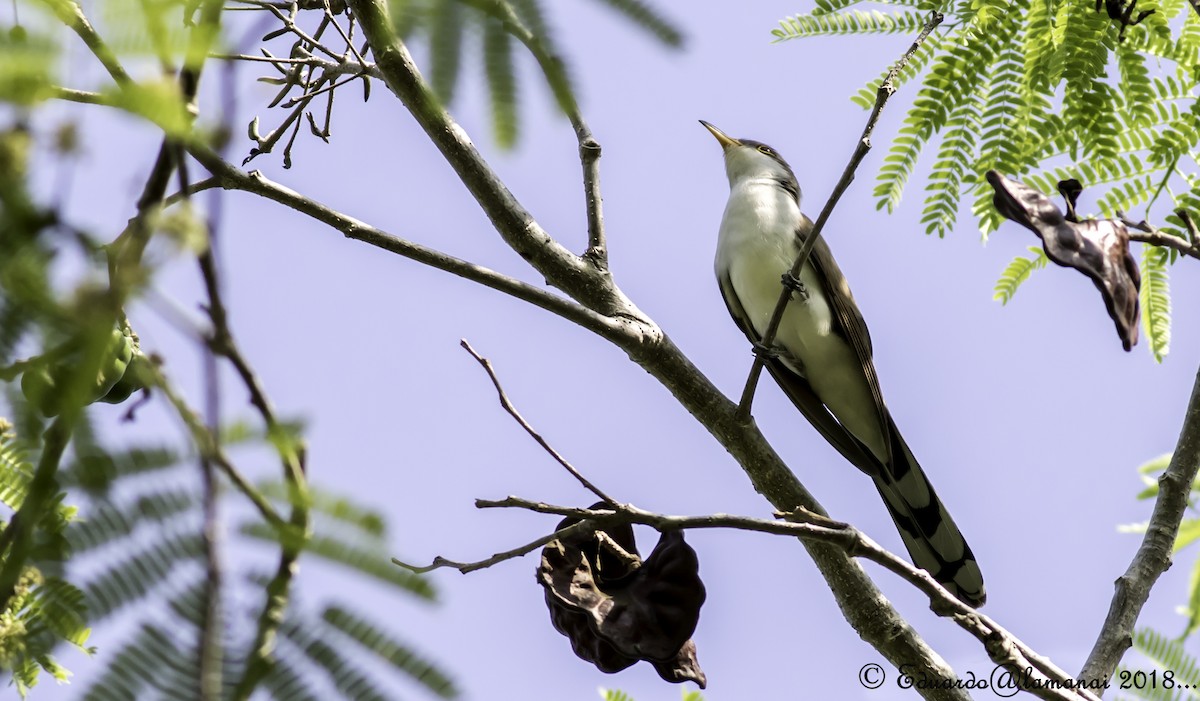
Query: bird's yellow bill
{"x": 725, "y": 140}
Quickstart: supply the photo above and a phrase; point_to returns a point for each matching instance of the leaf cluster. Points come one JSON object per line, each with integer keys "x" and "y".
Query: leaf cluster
{"x": 1042, "y": 91}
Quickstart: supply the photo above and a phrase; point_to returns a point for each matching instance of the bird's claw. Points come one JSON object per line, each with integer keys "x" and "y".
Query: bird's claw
{"x": 794, "y": 284}
{"x": 765, "y": 352}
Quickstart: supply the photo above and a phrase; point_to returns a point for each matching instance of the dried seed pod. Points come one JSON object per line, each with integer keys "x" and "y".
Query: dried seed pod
{"x": 617, "y": 609}
{"x": 1098, "y": 248}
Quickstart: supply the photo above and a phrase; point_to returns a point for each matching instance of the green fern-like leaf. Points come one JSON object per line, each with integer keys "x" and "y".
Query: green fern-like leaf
{"x": 130, "y": 672}
{"x": 1138, "y": 91}
{"x": 502, "y": 81}
{"x": 1155, "y": 298}
{"x": 1168, "y": 654}
{"x": 649, "y": 19}
{"x": 367, "y": 522}
{"x": 15, "y": 472}
{"x": 849, "y": 22}
{"x": 372, "y": 563}
{"x": 128, "y": 580}
{"x": 1193, "y": 605}
{"x": 395, "y": 653}
{"x": 614, "y": 695}
{"x": 1017, "y": 273}
{"x": 349, "y": 679}
{"x": 286, "y": 682}
{"x": 59, "y": 607}
{"x": 110, "y": 522}
{"x": 447, "y": 26}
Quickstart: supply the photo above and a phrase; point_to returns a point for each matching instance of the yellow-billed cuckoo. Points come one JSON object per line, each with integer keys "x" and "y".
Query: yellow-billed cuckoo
{"x": 821, "y": 356}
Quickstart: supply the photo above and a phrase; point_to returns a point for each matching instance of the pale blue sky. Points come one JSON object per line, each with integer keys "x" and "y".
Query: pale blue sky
{"x": 1029, "y": 419}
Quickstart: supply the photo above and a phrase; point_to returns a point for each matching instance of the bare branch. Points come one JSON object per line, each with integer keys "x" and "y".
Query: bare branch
{"x": 254, "y": 182}
{"x": 467, "y": 567}
{"x": 886, "y": 89}
{"x": 1038, "y": 676}
{"x": 512, "y": 411}
{"x": 1148, "y": 233}
{"x": 1154, "y": 555}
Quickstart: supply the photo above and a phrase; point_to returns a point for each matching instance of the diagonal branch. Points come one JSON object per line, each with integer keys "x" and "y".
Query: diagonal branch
{"x": 1154, "y": 555}
{"x": 886, "y": 89}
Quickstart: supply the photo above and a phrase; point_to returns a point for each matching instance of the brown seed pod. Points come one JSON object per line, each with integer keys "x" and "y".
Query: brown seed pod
{"x": 617, "y": 609}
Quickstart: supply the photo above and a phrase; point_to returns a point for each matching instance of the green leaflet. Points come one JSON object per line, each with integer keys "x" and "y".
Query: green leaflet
{"x": 646, "y": 17}
{"x": 849, "y": 22}
{"x": 1155, "y": 298}
{"x": 391, "y": 651}
{"x": 1022, "y": 86}
{"x": 1018, "y": 272}
{"x": 502, "y": 83}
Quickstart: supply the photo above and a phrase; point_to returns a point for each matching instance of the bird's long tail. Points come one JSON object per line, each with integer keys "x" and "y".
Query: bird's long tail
{"x": 930, "y": 534}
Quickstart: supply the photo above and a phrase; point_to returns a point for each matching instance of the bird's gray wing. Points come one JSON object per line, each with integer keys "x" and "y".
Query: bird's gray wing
{"x": 849, "y": 324}
{"x": 800, "y": 391}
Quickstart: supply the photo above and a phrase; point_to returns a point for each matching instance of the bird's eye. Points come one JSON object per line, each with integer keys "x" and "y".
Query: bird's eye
{"x": 766, "y": 150}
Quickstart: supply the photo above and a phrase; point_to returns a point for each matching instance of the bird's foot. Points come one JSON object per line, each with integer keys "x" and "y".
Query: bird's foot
{"x": 765, "y": 352}
{"x": 794, "y": 284}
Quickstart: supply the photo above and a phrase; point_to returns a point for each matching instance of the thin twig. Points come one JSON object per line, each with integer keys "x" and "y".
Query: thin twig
{"x": 512, "y": 411}
{"x": 255, "y": 182}
{"x": 886, "y": 89}
{"x": 292, "y": 455}
{"x": 589, "y": 147}
{"x": 209, "y": 447}
{"x": 1154, "y": 554}
{"x": 1044, "y": 679}
{"x": 468, "y": 567}
{"x": 209, "y": 650}
{"x": 71, "y": 14}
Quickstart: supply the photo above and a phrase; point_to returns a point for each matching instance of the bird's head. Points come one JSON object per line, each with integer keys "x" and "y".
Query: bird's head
{"x": 750, "y": 159}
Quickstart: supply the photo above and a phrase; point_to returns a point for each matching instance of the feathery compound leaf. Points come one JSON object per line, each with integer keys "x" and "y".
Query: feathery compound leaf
{"x": 395, "y": 653}
{"x": 446, "y": 45}
{"x": 369, "y": 562}
{"x": 349, "y": 678}
{"x": 502, "y": 81}
{"x": 955, "y": 75}
{"x": 553, "y": 69}
{"x": 110, "y": 521}
{"x": 950, "y": 167}
{"x": 129, "y": 580}
{"x": 1156, "y": 300}
{"x": 15, "y": 472}
{"x": 58, "y": 606}
{"x": 1193, "y": 605}
{"x": 849, "y": 22}
{"x": 97, "y": 469}
{"x": 1167, "y": 654}
{"x": 614, "y": 695}
{"x": 286, "y": 682}
{"x": 648, "y": 19}
{"x": 1137, "y": 90}
{"x": 130, "y": 672}
{"x": 370, "y": 522}
{"x": 1018, "y": 272}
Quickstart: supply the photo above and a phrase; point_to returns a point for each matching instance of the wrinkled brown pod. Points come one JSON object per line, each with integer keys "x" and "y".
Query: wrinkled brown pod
{"x": 617, "y": 609}
{"x": 1099, "y": 248}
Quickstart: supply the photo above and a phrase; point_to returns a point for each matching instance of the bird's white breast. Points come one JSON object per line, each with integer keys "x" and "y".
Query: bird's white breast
{"x": 756, "y": 245}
